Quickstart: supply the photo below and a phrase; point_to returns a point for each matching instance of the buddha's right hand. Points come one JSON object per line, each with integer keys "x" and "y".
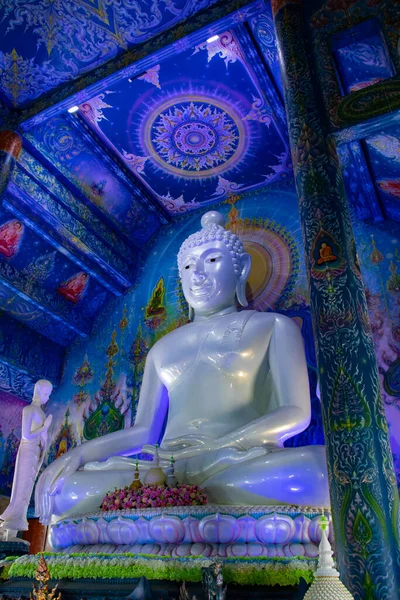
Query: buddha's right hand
{"x": 52, "y": 481}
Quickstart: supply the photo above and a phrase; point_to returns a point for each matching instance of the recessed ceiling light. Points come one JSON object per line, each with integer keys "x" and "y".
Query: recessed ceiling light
{"x": 73, "y": 109}
{"x": 212, "y": 39}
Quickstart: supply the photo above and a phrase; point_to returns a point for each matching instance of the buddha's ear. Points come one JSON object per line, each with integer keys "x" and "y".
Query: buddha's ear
{"x": 191, "y": 313}
{"x": 245, "y": 261}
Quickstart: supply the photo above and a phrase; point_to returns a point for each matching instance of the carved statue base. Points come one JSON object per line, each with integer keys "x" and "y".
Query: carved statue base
{"x": 209, "y": 531}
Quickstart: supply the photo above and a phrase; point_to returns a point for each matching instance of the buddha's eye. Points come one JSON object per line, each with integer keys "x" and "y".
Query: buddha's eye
{"x": 213, "y": 259}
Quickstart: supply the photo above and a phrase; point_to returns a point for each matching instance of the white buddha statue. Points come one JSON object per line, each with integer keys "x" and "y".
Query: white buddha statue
{"x": 31, "y": 451}
{"x": 234, "y": 386}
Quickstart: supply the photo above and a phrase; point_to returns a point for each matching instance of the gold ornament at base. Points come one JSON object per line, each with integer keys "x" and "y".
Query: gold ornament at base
{"x": 41, "y": 591}
{"x": 136, "y": 483}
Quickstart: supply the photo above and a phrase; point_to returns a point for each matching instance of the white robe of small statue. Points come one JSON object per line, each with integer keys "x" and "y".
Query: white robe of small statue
{"x": 31, "y": 451}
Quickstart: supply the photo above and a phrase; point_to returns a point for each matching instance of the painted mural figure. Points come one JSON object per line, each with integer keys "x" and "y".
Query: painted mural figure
{"x": 325, "y": 254}
{"x": 74, "y": 288}
{"x": 10, "y": 237}
{"x": 62, "y": 448}
{"x": 35, "y": 426}
{"x": 156, "y": 304}
{"x": 233, "y": 387}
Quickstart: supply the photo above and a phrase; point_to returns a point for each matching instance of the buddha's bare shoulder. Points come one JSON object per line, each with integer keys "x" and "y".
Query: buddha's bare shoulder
{"x": 170, "y": 338}
{"x": 271, "y": 320}
{"x": 268, "y": 317}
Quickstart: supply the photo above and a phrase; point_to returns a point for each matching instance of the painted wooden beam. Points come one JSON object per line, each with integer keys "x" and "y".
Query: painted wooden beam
{"x": 62, "y": 199}
{"x": 17, "y": 381}
{"x": 38, "y": 316}
{"x": 78, "y": 250}
{"x": 29, "y": 352}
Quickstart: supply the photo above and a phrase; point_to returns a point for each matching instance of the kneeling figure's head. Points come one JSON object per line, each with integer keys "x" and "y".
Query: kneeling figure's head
{"x": 213, "y": 267}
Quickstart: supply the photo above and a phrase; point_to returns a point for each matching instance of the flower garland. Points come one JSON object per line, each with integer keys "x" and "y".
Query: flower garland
{"x": 242, "y": 571}
{"x": 151, "y": 496}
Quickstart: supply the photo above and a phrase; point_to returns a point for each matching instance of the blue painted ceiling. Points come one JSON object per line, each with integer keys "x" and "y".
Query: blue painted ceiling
{"x": 196, "y": 126}
{"x": 45, "y": 44}
{"x": 190, "y": 130}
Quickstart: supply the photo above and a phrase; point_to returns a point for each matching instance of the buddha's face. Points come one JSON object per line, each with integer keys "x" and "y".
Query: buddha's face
{"x": 208, "y": 278}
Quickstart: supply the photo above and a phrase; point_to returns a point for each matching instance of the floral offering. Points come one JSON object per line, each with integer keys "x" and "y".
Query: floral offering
{"x": 154, "y": 497}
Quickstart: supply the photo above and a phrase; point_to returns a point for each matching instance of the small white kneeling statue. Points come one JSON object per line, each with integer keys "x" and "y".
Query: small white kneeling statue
{"x": 30, "y": 456}
{"x": 233, "y": 386}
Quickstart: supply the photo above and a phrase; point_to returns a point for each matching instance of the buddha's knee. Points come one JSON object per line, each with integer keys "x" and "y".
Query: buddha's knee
{"x": 284, "y": 476}
{"x": 84, "y": 491}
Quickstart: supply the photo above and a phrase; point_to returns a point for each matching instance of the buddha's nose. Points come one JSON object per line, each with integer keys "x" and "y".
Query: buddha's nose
{"x": 198, "y": 277}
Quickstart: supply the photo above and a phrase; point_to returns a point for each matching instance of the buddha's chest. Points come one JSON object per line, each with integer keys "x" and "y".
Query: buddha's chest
{"x": 204, "y": 353}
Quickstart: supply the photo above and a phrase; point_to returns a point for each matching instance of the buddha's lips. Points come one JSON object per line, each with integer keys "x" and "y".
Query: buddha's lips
{"x": 203, "y": 290}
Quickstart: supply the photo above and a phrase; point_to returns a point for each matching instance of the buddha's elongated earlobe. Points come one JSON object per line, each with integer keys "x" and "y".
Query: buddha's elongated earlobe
{"x": 245, "y": 260}
{"x": 191, "y": 313}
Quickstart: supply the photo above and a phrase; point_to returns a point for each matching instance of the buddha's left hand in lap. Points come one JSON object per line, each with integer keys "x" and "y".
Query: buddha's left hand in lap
{"x": 202, "y": 455}
{"x": 189, "y": 446}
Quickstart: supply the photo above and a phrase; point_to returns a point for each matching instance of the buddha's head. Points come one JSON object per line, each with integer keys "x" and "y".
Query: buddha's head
{"x": 42, "y": 391}
{"x": 213, "y": 267}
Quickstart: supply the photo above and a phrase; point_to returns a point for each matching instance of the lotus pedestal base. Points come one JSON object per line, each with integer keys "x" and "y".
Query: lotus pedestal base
{"x": 208, "y": 531}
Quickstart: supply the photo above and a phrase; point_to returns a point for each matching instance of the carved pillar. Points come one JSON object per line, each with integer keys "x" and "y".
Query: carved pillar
{"x": 10, "y": 147}
{"x": 363, "y": 488}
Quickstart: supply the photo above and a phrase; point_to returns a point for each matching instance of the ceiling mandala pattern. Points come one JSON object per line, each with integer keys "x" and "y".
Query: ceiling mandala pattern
{"x": 195, "y": 138}
{"x": 195, "y": 127}
{"x": 47, "y": 43}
